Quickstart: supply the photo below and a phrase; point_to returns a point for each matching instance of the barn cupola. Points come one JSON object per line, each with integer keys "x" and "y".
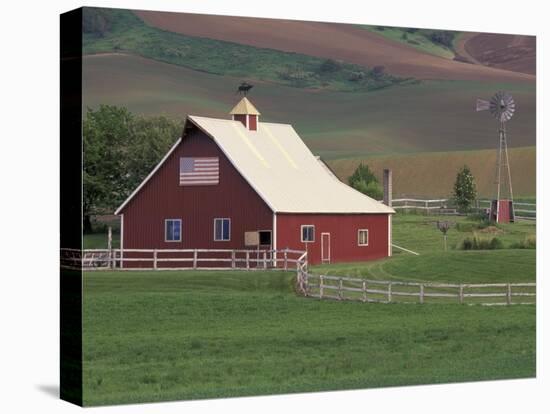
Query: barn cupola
{"x": 246, "y": 113}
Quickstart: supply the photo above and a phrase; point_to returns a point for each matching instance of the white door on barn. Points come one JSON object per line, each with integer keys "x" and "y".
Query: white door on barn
{"x": 325, "y": 247}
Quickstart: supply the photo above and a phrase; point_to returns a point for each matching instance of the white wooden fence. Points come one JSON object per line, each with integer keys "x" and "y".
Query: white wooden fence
{"x": 183, "y": 259}
{"x": 524, "y": 211}
{"x": 386, "y": 291}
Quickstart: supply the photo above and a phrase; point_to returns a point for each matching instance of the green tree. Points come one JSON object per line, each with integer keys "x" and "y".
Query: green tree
{"x": 364, "y": 180}
{"x": 120, "y": 149}
{"x": 464, "y": 191}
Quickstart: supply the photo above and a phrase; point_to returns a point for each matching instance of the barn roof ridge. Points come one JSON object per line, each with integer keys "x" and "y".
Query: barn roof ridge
{"x": 280, "y": 168}
{"x": 301, "y": 185}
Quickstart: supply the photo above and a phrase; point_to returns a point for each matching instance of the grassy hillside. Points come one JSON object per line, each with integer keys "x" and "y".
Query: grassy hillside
{"x": 432, "y": 174}
{"x": 421, "y": 39}
{"x": 347, "y": 42}
{"x": 115, "y": 30}
{"x": 431, "y": 116}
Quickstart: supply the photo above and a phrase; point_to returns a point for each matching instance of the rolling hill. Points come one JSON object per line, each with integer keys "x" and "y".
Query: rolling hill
{"x": 350, "y": 43}
{"x": 430, "y": 116}
{"x": 505, "y": 51}
{"x": 417, "y": 118}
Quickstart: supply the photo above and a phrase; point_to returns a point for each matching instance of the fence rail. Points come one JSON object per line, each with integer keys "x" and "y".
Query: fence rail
{"x": 182, "y": 259}
{"x": 388, "y": 291}
{"x": 525, "y": 211}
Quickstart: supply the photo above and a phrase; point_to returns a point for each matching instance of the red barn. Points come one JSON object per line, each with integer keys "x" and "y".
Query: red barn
{"x": 224, "y": 178}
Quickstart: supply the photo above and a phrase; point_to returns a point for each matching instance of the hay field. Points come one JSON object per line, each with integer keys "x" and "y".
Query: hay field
{"x": 432, "y": 174}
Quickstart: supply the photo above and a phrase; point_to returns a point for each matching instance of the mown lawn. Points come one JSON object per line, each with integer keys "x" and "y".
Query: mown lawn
{"x": 419, "y": 233}
{"x": 153, "y": 336}
{"x": 184, "y": 335}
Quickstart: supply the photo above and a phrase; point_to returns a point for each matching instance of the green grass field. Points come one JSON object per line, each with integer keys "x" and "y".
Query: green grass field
{"x": 419, "y": 233}
{"x": 152, "y": 336}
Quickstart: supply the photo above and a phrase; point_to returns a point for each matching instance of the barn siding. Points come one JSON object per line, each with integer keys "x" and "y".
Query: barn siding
{"x": 343, "y": 234}
{"x": 163, "y": 198}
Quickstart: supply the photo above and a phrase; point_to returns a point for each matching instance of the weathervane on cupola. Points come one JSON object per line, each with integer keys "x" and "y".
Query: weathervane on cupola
{"x": 244, "y": 111}
{"x": 243, "y": 88}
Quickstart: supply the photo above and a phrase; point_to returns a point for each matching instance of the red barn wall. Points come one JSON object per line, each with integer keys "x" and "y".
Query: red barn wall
{"x": 163, "y": 198}
{"x": 343, "y": 235}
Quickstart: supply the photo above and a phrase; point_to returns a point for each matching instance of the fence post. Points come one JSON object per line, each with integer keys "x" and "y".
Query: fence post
{"x": 233, "y": 259}
{"x": 340, "y": 292}
{"x": 421, "y": 293}
{"x": 265, "y": 260}
{"x": 195, "y": 259}
{"x": 364, "y": 291}
{"x": 155, "y": 259}
{"x": 509, "y": 294}
{"x": 110, "y": 246}
{"x": 426, "y": 205}
{"x": 321, "y": 286}
{"x": 389, "y": 292}
{"x": 286, "y": 258}
{"x": 247, "y": 260}
{"x": 461, "y": 294}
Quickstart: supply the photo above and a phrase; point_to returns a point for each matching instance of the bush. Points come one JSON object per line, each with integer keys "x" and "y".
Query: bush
{"x": 481, "y": 243}
{"x": 530, "y": 242}
{"x": 443, "y": 37}
{"x": 330, "y": 66}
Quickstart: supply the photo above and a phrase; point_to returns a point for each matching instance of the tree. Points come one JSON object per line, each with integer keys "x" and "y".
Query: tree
{"x": 378, "y": 71}
{"x": 330, "y": 65}
{"x": 365, "y": 181}
{"x": 120, "y": 149}
{"x": 464, "y": 192}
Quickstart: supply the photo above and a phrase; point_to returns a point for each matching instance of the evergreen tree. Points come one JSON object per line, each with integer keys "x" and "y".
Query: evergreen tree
{"x": 364, "y": 180}
{"x": 464, "y": 192}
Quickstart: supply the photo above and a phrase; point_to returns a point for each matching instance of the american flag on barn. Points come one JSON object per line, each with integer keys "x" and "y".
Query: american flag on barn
{"x": 199, "y": 171}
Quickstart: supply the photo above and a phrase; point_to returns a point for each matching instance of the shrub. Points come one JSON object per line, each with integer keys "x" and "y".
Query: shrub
{"x": 529, "y": 242}
{"x": 330, "y": 66}
{"x": 443, "y": 37}
{"x": 480, "y": 243}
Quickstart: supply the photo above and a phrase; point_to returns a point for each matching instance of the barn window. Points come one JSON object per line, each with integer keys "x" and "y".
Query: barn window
{"x": 308, "y": 233}
{"x": 222, "y": 229}
{"x": 362, "y": 237}
{"x": 172, "y": 230}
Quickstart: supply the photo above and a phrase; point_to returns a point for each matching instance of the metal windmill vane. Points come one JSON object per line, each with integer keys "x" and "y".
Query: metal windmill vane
{"x": 502, "y": 107}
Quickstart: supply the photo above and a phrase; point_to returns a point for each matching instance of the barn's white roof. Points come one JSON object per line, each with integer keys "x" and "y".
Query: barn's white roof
{"x": 283, "y": 171}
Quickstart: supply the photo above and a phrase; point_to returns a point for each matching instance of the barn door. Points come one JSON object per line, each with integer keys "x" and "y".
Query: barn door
{"x": 325, "y": 247}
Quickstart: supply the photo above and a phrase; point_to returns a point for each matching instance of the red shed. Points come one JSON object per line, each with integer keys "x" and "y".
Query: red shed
{"x": 224, "y": 178}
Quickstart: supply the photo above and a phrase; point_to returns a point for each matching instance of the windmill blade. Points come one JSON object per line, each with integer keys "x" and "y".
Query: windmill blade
{"x": 502, "y": 106}
{"x": 482, "y": 105}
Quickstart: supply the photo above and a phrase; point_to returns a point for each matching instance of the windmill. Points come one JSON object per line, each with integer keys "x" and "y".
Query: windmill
{"x": 502, "y": 107}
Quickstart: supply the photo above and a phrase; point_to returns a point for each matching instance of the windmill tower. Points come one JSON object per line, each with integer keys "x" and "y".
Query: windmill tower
{"x": 502, "y": 107}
